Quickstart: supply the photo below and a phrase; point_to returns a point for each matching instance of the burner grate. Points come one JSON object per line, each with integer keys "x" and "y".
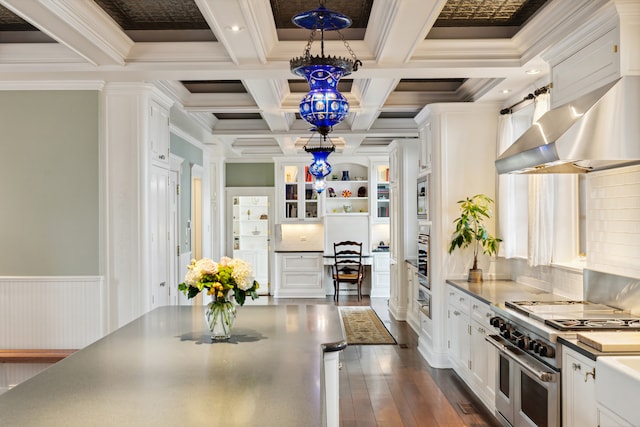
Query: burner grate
{"x": 594, "y": 324}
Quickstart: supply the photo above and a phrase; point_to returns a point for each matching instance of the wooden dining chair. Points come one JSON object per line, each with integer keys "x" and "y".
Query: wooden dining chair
{"x": 347, "y": 266}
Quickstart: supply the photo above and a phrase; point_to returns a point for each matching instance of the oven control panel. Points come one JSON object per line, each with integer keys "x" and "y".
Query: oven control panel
{"x": 523, "y": 339}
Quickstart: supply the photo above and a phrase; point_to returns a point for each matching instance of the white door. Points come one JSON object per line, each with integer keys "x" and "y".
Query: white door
{"x": 250, "y": 219}
{"x": 159, "y": 218}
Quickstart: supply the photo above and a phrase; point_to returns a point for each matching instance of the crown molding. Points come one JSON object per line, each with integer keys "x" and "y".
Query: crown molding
{"x": 52, "y": 85}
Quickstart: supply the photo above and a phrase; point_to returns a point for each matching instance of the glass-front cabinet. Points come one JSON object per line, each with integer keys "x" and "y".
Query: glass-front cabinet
{"x": 300, "y": 199}
{"x": 380, "y": 182}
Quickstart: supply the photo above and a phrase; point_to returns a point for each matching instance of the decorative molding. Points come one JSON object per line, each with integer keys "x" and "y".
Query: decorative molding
{"x": 52, "y": 85}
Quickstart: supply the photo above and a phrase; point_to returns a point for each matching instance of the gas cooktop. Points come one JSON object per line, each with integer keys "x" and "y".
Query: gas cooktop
{"x": 594, "y": 324}
{"x": 566, "y": 315}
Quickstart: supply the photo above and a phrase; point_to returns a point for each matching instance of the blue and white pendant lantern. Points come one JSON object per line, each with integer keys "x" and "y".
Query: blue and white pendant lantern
{"x": 324, "y": 106}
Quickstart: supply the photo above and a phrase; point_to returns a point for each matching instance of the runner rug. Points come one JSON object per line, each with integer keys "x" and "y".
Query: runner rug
{"x": 363, "y": 326}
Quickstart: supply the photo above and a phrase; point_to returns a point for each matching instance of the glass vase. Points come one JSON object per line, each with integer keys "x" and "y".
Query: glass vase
{"x": 220, "y": 316}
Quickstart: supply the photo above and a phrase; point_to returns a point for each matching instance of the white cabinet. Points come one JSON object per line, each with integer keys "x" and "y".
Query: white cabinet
{"x": 380, "y": 208}
{"x": 298, "y": 201}
{"x": 460, "y": 330}
{"x": 473, "y": 359}
{"x": 607, "y": 418}
{"x": 587, "y": 59}
{"x": 482, "y": 356}
{"x": 426, "y": 141}
{"x": 403, "y": 169}
{"x": 299, "y": 275}
{"x": 413, "y": 311}
{"x": 578, "y": 390}
{"x": 159, "y": 133}
{"x": 380, "y": 271}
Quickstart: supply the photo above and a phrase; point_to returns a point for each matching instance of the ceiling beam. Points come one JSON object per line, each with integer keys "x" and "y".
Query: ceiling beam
{"x": 80, "y": 25}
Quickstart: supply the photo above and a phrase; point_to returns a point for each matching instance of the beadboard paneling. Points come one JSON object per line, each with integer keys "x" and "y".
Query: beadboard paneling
{"x": 52, "y": 312}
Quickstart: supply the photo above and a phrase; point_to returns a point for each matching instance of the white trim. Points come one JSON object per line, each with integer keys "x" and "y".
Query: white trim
{"x": 52, "y": 85}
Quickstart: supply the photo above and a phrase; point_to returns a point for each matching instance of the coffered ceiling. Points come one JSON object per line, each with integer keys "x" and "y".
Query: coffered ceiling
{"x": 226, "y": 62}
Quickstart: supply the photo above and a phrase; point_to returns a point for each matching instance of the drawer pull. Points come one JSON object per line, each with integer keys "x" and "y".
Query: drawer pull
{"x": 576, "y": 366}
{"x": 592, "y": 373}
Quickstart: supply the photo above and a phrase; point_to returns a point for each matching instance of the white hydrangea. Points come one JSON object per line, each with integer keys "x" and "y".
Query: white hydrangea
{"x": 242, "y": 273}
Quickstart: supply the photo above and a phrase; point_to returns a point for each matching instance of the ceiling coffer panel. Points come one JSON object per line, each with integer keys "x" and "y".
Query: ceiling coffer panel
{"x": 478, "y": 13}
{"x": 357, "y": 10}
{"x": 154, "y": 14}
{"x": 214, "y": 86}
{"x": 9, "y": 21}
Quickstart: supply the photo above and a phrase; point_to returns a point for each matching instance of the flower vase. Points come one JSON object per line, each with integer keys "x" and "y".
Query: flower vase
{"x": 220, "y": 316}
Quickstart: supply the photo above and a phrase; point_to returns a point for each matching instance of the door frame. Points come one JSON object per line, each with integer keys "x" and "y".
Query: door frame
{"x": 269, "y": 192}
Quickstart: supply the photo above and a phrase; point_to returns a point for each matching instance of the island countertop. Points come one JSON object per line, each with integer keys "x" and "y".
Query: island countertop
{"x": 163, "y": 370}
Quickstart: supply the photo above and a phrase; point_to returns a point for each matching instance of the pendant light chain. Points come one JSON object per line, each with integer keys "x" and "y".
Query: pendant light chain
{"x": 356, "y": 61}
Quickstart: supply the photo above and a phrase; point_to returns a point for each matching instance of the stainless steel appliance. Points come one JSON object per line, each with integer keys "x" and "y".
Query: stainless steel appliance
{"x": 529, "y": 360}
{"x": 423, "y": 256}
{"x": 423, "y": 297}
{"x": 423, "y": 198}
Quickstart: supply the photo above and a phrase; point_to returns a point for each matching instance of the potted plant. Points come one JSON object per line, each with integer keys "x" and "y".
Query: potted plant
{"x": 470, "y": 229}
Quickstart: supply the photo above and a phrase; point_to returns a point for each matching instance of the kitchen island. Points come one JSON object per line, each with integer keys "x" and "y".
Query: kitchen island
{"x": 280, "y": 368}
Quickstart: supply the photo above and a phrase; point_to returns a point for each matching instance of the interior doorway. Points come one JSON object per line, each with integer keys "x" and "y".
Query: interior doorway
{"x": 249, "y": 230}
{"x": 195, "y": 223}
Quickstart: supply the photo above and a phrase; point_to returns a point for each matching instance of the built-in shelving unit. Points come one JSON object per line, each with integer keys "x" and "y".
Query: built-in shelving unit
{"x": 347, "y": 190}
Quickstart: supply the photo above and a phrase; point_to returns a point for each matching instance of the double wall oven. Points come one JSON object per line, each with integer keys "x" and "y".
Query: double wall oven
{"x": 423, "y": 296}
{"x": 528, "y": 366}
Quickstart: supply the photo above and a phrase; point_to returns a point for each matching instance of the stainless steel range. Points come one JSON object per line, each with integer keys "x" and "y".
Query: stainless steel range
{"x": 529, "y": 360}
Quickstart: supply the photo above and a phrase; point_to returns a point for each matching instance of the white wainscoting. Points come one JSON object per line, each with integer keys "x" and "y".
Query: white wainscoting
{"x": 61, "y": 312}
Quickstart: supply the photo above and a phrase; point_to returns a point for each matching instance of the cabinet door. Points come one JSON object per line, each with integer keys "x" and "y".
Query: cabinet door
{"x": 589, "y": 68}
{"x": 159, "y": 133}
{"x": 380, "y": 275}
{"x": 459, "y": 340}
{"x": 579, "y": 391}
{"x": 380, "y": 208}
{"x": 299, "y": 275}
{"x": 159, "y": 225}
{"x": 300, "y": 200}
{"x": 425, "y": 147}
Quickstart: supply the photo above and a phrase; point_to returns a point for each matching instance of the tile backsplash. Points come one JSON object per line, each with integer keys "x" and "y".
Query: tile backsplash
{"x": 613, "y": 221}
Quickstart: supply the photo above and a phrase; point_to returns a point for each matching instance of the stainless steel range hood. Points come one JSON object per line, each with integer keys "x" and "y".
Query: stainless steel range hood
{"x": 599, "y": 130}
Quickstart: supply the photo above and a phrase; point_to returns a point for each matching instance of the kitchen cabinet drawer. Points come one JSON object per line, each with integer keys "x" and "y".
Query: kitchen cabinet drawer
{"x": 299, "y": 275}
{"x": 458, "y": 299}
{"x": 480, "y": 312}
{"x": 301, "y": 262}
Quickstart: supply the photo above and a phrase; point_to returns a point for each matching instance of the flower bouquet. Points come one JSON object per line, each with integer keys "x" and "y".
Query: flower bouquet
{"x": 219, "y": 279}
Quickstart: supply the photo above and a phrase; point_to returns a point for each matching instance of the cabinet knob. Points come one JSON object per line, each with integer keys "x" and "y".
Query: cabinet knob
{"x": 161, "y": 157}
{"x": 456, "y": 313}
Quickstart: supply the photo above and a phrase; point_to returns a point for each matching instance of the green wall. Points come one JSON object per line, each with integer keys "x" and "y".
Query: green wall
{"x": 192, "y": 155}
{"x": 249, "y": 175}
{"x": 49, "y": 183}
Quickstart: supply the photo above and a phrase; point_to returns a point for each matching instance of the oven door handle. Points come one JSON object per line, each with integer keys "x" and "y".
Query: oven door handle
{"x": 544, "y": 376}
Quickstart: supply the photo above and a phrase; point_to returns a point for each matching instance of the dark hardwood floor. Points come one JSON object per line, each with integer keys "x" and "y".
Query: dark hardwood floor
{"x": 392, "y": 385}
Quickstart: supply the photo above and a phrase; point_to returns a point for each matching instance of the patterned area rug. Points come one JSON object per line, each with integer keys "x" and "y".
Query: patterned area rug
{"x": 363, "y": 326}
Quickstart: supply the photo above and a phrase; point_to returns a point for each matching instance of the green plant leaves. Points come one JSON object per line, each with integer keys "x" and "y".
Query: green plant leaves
{"x": 470, "y": 227}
